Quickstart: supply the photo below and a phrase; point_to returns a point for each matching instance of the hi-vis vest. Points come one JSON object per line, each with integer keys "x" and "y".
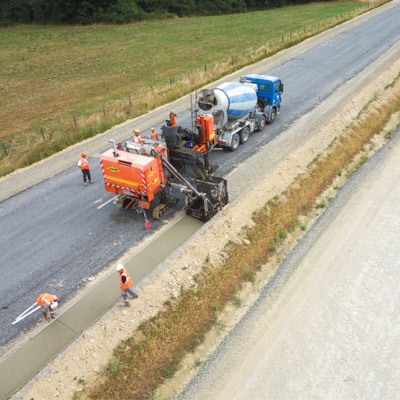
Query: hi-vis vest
{"x": 136, "y": 139}
{"x": 46, "y": 298}
{"x": 128, "y": 282}
{"x": 84, "y": 163}
{"x": 154, "y": 135}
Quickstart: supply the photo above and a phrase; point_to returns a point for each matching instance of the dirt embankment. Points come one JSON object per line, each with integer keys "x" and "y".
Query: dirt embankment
{"x": 81, "y": 364}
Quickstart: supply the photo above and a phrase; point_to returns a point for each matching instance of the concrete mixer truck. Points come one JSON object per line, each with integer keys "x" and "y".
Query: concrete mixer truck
{"x": 226, "y": 116}
{"x": 240, "y": 108}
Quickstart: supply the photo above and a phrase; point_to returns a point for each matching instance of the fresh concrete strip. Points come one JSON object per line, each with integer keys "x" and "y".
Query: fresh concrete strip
{"x": 29, "y": 359}
{"x": 24, "y": 363}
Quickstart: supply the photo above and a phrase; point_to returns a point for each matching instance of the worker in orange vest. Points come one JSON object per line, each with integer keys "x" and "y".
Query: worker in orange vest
{"x": 154, "y": 134}
{"x": 172, "y": 119}
{"x": 136, "y": 138}
{"x": 48, "y": 302}
{"x": 83, "y": 164}
{"x": 125, "y": 283}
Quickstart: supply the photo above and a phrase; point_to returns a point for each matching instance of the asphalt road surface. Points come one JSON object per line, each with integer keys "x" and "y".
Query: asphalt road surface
{"x": 327, "y": 325}
{"x": 52, "y": 235}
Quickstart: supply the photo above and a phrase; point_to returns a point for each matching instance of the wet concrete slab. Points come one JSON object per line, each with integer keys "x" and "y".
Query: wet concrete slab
{"x": 28, "y": 360}
{"x": 24, "y": 363}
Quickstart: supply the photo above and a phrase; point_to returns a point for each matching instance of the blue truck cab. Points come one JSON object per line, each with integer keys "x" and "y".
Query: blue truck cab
{"x": 269, "y": 94}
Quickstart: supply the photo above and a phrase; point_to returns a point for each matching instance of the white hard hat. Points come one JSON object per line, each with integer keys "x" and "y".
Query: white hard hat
{"x": 54, "y": 305}
{"x": 119, "y": 267}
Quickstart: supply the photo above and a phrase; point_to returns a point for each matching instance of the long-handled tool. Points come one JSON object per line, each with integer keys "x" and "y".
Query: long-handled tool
{"x": 27, "y": 312}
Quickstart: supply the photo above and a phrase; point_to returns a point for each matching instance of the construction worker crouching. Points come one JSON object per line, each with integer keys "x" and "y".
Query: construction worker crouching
{"x": 125, "y": 283}
{"x": 154, "y": 134}
{"x": 136, "y": 138}
{"x": 48, "y": 302}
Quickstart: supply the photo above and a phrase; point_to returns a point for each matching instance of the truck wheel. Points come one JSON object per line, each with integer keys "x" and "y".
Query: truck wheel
{"x": 235, "y": 142}
{"x": 273, "y": 116}
{"x": 244, "y": 135}
{"x": 261, "y": 124}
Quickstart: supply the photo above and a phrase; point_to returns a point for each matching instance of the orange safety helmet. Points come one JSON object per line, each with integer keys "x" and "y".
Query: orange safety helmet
{"x": 83, "y": 155}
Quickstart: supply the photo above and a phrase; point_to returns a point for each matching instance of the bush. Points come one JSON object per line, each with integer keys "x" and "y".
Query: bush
{"x": 122, "y": 11}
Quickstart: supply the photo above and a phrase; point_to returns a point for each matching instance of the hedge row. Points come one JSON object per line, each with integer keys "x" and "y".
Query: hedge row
{"x": 123, "y": 11}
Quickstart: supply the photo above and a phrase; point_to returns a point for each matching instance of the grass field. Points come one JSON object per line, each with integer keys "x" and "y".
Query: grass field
{"x": 48, "y": 74}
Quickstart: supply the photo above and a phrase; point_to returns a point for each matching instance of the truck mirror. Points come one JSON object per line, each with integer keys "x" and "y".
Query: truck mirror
{"x": 281, "y": 88}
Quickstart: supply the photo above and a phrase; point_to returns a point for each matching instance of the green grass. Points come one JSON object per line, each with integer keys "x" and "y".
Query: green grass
{"x": 238, "y": 301}
{"x": 113, "y": 366}
{"x": 48, "y": 74}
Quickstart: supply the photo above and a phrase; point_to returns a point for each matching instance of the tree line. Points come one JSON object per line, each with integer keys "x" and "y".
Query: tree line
{"x": 123, "y": 11}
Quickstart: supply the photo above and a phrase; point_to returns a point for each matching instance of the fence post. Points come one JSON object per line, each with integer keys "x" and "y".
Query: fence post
{"x": 4, "y": 148}
{"x": 104, "y": 110}
{"x": 42, "y": 133}
{"x": 205, "y": 68}
{"x": 130, "y": 100}
{"x": 152, "y": 91}
{"x": 75, "y": 123}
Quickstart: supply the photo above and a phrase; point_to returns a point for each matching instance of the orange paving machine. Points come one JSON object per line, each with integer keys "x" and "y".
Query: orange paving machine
{"x": 141, "y": 174}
